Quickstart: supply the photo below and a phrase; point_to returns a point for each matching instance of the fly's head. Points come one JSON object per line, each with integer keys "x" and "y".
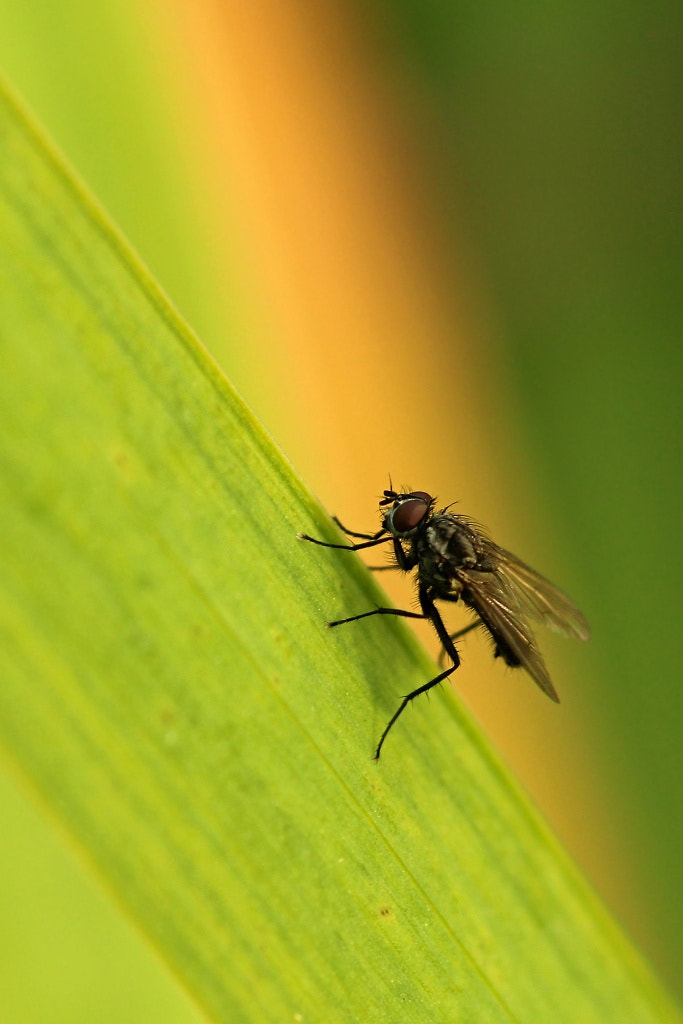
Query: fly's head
{"x": 407, "y": 512}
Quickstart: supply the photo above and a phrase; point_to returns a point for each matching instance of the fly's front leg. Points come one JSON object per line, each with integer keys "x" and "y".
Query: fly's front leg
{"x": 374, "y": 540}
{"x": 429, "y": 612}
{"x": 405, "y": 564}
{"x": 403, "y": 561}
{"x": 352, "y": 533}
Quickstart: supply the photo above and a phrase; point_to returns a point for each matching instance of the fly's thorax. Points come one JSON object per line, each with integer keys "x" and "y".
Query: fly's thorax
{"x": 437, "y": 567}
{"x": 453, "y": 540}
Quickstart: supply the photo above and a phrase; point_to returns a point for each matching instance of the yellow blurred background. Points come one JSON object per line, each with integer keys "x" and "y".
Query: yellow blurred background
{"x": 442, "y": 242}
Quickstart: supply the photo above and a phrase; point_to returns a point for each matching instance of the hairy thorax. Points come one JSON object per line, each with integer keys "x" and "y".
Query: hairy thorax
{"x": 447, "y": 545}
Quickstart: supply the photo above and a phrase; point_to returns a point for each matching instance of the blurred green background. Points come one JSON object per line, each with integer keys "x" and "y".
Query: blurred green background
{"x": 449, "y": 238}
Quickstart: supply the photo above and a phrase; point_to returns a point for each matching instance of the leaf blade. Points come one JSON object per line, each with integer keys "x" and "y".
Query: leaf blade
{"x": 169, "y": 686}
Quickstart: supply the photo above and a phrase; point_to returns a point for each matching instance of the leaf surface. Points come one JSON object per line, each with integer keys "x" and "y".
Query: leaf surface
{"x": 171, "y": 692}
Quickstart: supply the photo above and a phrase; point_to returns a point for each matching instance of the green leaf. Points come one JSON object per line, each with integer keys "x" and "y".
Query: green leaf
{"x": 170, "y": 690}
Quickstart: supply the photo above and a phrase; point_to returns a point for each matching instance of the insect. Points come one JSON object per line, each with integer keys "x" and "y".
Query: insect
{"x": 457, "y": 562}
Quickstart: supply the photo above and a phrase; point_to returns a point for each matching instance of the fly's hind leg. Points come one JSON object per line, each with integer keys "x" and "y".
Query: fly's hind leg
{"x": 406, "y": 701}
{"x": 429, "y": 612}
{"x": 457, "y": 635}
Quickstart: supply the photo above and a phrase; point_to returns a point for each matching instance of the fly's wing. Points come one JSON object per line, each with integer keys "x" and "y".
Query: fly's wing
{"x": 537, "y": 596}
{"x": 494, "y": 599}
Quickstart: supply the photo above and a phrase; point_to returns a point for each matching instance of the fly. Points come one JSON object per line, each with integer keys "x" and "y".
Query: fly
{"x": 457, "y": 562}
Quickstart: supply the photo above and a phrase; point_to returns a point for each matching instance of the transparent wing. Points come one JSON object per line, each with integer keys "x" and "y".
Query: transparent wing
{"x": 496, "y": 602}
{"x": 537, "y": 596}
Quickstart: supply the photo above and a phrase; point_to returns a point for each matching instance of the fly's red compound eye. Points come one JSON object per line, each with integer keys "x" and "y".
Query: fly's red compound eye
{"x": 409, "y": 514}
{"x": 422, "y": 495}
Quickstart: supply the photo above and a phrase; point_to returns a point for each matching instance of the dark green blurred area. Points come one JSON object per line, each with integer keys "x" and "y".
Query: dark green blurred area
{"x": 562, "y": 128}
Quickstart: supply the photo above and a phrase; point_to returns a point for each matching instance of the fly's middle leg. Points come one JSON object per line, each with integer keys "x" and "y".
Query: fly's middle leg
{"x": 378, "y": 611}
